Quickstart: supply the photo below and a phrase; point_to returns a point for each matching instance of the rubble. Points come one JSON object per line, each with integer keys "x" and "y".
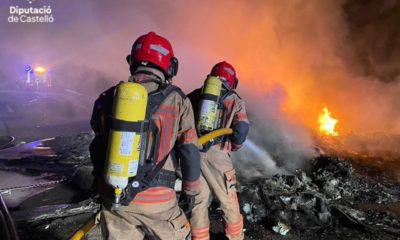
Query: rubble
{"x": 328, "y": 201}
{"x": 325, "y": 200}
{"x": 43, "y": 213}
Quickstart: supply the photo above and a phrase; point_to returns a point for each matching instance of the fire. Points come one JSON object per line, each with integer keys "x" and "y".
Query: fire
{"x": 327, "y": 123}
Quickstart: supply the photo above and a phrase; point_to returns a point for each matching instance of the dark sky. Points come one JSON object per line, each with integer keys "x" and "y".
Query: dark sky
{"x": 310, "y": 54}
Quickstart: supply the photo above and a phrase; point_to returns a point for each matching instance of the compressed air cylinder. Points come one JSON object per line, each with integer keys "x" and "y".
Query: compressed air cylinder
{"x": 130, "y": 102}
{"x": 209, "y": 111}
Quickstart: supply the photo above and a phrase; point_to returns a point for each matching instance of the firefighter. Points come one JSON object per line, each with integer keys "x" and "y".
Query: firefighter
{"x": 152, "y": 210}
{"x": 218, "y": 175}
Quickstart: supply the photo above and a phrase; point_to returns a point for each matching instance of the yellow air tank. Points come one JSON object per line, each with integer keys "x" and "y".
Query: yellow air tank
{"x": 123, "y": 153}
{"x": 209, "y": 111}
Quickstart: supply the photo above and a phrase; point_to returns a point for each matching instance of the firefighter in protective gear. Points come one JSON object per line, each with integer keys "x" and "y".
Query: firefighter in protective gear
{"x": 218, "y": 175}
{"x": 152, "y": 210}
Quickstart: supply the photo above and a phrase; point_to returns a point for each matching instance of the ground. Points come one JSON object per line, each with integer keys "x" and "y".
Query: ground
{"x": 48, "y": 192}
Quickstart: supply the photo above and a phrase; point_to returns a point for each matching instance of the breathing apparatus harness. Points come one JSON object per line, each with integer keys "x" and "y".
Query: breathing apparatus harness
{"x": 150, "y": 173}
{"x": 225, "y": 92}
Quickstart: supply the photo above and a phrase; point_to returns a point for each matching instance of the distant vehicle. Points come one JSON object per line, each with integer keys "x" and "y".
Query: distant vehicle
{"x": 37, "y": 78}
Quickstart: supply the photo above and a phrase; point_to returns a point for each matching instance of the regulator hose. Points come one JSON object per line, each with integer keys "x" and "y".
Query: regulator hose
{"x": 219, "y": 132}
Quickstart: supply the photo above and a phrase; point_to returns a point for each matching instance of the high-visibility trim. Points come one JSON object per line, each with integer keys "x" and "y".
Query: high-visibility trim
{"x": 157, "y": 189}
{"x": 234, "y": 229}
{"x": 200, "y": 230}
{"x": 241, "y": 117}
{"x": 138, "y": 201}
{"x": 234, "y": 234}
{"x": 152, "y": 195}
{"x": 162, "y": 140}
{"x": 159, "y": 49}
{"x": 188, "y": 136}
{"x": 201, "y": 233}
{"x": 227, "y": 146}
{"x": 157, "y": 192}
{"x": 155, "y": 196}
{"x": 171, "y": 109}
{"x": 167, "y": 114}
{"x": 191, "y": 185}
{"x": 228, "y": 103}
{"x": 234, "y": 225}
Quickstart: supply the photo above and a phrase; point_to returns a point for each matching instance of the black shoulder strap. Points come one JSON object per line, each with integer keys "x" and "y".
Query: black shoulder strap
{"x": 155, "y": 101}
{"x": 157, "y": 98}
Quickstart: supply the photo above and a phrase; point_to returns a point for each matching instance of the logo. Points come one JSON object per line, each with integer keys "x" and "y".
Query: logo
{"x": 19, "y": 14}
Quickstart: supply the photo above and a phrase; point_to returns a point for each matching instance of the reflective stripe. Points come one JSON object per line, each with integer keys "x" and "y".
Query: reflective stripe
{"x": 137, "y": 201}
{"x": 157, "y": 189}
{"x": 234, "y": 232}
{"x": 200, "y": 233}
{"x": 155, "y": 196}
{"x": 144, "y": 195}
{"x": 159, "y": 49}
{"x": 229, "y": 70}
{"x": 191, "y": 185}
{"x": 227, "y": 146}
{"x": 235, "y": 228}
{"x": 229, "y": 104}
{"x": 241, "y": 117}
{"x": 188, "y": 136}
{"x": 200, "y": 230}
{"x": 237, "y": 233}
{"x": 152, "y": 200}
{"x": 172, "y": 109}
{"x": 167, "y": 115}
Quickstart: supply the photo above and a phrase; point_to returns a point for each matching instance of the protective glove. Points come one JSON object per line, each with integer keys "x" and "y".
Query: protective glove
{"x": 186, "y": 202}
{"x": 206, "y": 146}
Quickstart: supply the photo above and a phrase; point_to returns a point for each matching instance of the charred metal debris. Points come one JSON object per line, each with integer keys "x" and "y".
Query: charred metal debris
{"x": 331, "y": 201}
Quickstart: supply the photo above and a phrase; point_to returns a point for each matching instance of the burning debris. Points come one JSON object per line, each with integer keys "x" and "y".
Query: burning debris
{"x": 326, "y": 123}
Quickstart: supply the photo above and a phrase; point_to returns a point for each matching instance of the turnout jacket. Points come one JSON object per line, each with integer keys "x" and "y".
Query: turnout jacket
{"x": 234, "y": 115}
{"x": 175, "y": 121}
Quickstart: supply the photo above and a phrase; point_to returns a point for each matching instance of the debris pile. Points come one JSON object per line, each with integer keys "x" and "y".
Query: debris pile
{"x": 327, "y": 200}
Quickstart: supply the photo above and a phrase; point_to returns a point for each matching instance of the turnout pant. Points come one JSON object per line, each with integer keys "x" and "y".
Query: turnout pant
{"x": 157, "y": 220}
{"x": 218, "y": 177}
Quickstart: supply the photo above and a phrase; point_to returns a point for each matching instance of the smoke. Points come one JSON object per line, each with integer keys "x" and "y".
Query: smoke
{"x": 292, "y": 58}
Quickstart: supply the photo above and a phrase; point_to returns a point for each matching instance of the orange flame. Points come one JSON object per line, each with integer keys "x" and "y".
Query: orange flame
{"x": 327, "y": 123}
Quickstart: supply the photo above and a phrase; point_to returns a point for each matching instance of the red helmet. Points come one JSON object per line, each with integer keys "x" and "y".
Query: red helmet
{"x": 156, "y": 50}
{"x": 226, "y": 72}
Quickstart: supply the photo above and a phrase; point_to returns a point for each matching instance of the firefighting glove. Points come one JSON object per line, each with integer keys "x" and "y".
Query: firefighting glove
{"x": 186, "y": 202}
{"x": 206, "y": 146}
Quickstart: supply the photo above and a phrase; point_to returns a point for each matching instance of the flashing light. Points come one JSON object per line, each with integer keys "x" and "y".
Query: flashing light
{"x": 40, "y": 69}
